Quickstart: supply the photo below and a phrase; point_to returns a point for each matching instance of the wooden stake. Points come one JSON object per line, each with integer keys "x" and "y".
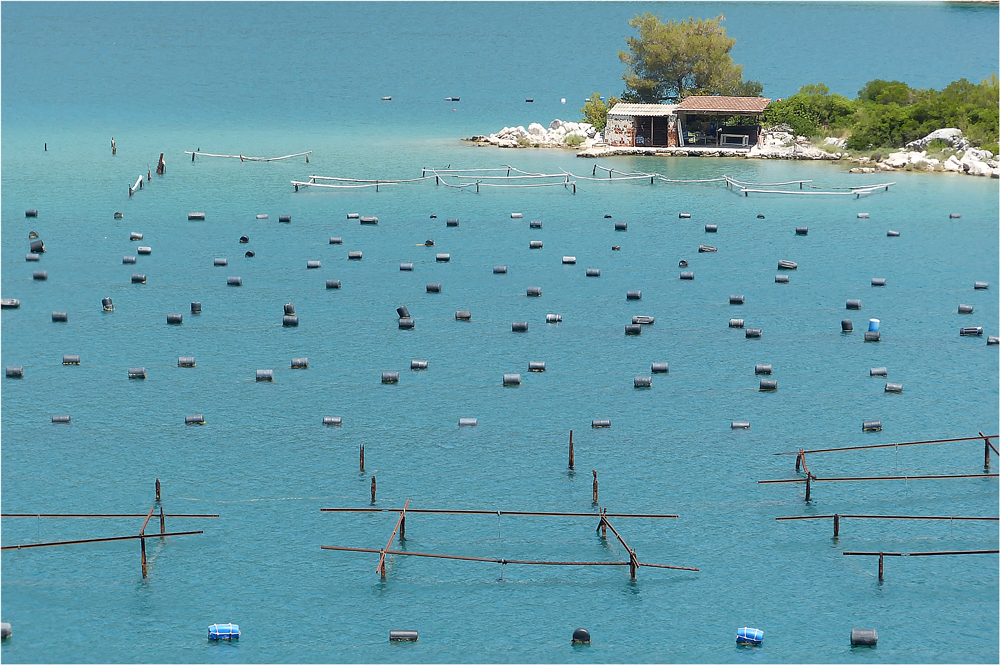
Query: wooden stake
{"x": 142, "y": 546}
{"x": 163, "y": 524}
{"x": 571, "y": 451}
{"x": 373, "y": 489}
{"x": 798, "y": 461}
{"x": 808, "y": 486}
{"x": 157, "y": 490}
{"x": 362, "y": 458}
{"x": 986, "y": 453}
{"x": 160, "y": 166}
{"x": 595, "y": 487}
{"x": 402, "y": 528}
{"x": 879, "y": 566}
{"x": 836, "y": 526}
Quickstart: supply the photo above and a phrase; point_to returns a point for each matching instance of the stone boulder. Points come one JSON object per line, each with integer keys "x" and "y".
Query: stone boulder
{"x": 953, "y": 164}
{"x": 950, "y": 135}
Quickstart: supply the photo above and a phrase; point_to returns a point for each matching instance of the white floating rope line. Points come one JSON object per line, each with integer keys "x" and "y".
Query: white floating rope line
{"x": 244, "y": 158}
{"x": 389, "y": 181}
{"x": 858, "y": 192}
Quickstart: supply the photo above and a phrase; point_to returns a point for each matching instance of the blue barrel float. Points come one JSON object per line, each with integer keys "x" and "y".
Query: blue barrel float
{"x": 224, "y": 631}
{"x": 749, "y": 636}
{"x": 873, "y": 325}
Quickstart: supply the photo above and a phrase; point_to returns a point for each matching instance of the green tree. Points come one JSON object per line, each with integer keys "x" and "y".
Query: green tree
{"x": 595, "y": 111}
{"x": 669, "y": 61}
{"x": 810, "y": 109}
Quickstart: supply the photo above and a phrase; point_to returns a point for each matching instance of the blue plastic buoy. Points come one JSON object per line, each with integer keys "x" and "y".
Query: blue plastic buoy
{"x": 873, "y": 325}
{"x": 224, "y": 631}
{"x": 749, "y": 636}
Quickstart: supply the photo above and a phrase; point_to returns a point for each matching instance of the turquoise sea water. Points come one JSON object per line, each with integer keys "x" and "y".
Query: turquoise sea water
{"x": 274, "y": 79}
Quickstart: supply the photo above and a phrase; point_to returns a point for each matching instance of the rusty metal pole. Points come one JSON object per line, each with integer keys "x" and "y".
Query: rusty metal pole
{"x": 986, "y": 453}
{"x": 808, "y": 486}
{"x": 571, "y": 451}
{"x": 163, "y": 527}
{"x": 142, "y": 546}
{"x": 595, "y": 486}
{"x": 604, "y": 523}
{"x": 879, "y": 566}
{"x": 836, "y": 526}
{"x": 373, "y": 489}
{"x": 362, "y": 458}
{"x": 157, "y": 490}
{"x": 633, "y": 563}
{"x": 798, "y": 460}
{"x": 402, "y": 528}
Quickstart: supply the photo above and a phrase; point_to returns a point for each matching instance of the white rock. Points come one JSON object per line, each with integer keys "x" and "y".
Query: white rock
{"x": 897, "y": 160}
{"x": 953, "y": 164}
{"x": 536, "y": 129}
{"x": 949, "y": 135}
{"x": 980, "y": 169}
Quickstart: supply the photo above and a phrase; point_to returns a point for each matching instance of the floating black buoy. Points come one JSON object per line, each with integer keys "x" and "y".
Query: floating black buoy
{"x": 864, "y": 637}
{"x": 244, "y": 239}
{"x": 581, "y": 636}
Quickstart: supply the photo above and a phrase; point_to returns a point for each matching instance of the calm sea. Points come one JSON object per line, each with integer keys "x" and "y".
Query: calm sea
{"x": 273, "y": 79}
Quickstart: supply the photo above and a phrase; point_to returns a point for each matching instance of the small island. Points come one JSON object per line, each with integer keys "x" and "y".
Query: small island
{"x": 685, "y": 97}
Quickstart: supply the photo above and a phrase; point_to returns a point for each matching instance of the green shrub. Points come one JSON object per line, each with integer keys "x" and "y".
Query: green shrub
{"x": 595, "y": 111}
{"x": 523, "y": 142}
{"x": 573, "y": 140}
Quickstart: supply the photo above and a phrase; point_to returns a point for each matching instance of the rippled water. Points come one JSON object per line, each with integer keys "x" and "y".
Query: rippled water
{"x": 266, "y": 465}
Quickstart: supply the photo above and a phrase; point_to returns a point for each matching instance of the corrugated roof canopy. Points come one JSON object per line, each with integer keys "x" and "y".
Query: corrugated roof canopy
{"x": 657, "y": 110}
{"x": 715, "y": 104}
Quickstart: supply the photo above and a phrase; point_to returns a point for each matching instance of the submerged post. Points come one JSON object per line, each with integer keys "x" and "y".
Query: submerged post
{"x": 402, "y": 528}
{"x": 986, "y": 452}
{"x": 633, "y": 563}
{"x": 808, "y": 488}
{"x": 373, "y": 489}
{"x": 879, "y": 566}
{"x": 595, "y": 487}
{"x": 160, "y": 166}
{"x": 362, "y": 458}
{"x": 142, "y": 547}
{"x": 571, "y": 451}
{"x": 163, "y": 524}
{"x": 157, "y": 489}
{"x": 836, "y": 526}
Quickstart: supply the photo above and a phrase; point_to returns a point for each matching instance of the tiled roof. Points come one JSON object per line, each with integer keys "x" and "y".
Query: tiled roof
{"x": 643, "y": 109}
{"x": 713, "y": 104}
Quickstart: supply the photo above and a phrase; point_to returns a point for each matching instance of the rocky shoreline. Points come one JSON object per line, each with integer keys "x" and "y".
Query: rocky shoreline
{"x": 776, "y": 143}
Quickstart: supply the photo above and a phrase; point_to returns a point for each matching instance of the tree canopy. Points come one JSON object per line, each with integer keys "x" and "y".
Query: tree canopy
{"x": 595, "y": 110}
{"x": 668, "y": 61}
{"x": 891, "y": 113}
